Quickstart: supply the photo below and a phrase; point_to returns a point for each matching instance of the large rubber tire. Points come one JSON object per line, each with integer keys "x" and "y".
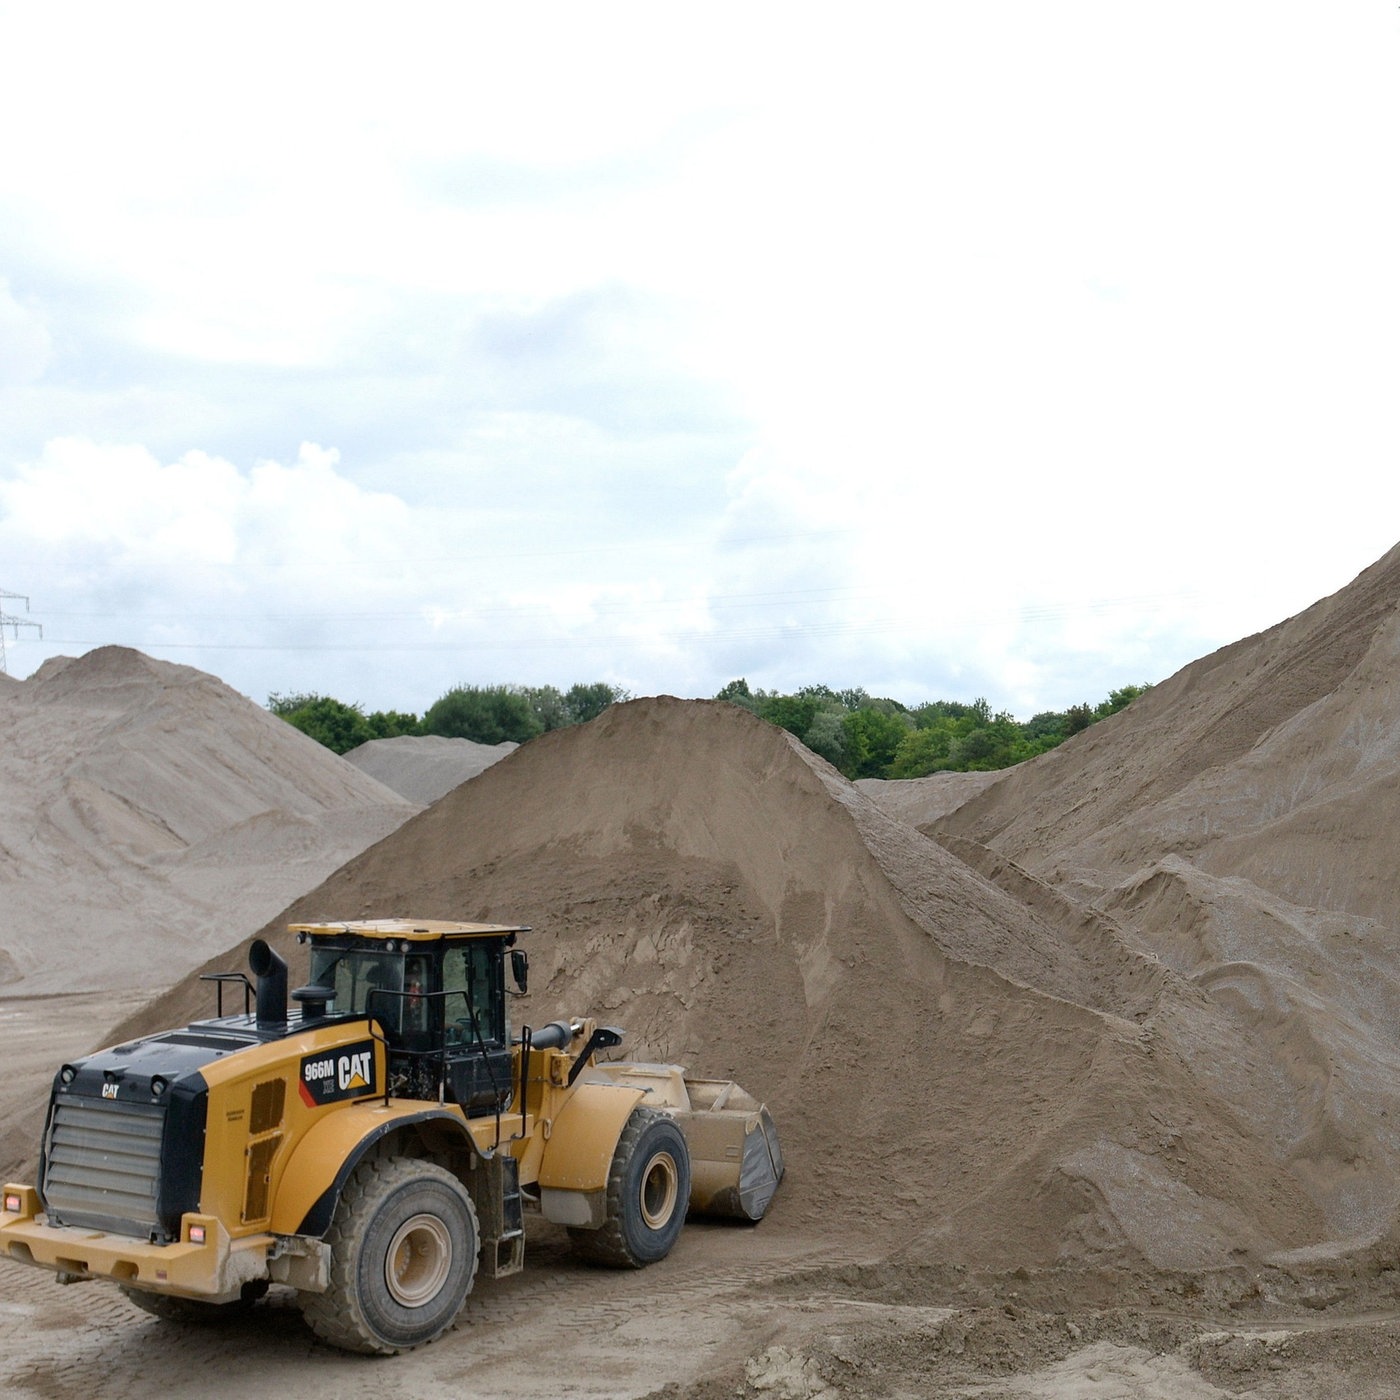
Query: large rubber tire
{"x": 648, "y": 1192}
{"x": 404, "y": 1245}
{"x": 170, "y": 1308}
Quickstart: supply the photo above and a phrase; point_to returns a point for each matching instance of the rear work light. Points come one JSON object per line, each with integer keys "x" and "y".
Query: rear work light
{"x": 12, "y": 1202}
{"x": 196, "y": 1234}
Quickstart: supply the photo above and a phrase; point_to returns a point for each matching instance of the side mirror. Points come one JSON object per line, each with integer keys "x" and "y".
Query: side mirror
{"x": 520, "y": 969}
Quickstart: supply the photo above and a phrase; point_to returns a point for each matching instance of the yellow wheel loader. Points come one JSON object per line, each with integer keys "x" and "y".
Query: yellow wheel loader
{"x": 377, "y": 1146}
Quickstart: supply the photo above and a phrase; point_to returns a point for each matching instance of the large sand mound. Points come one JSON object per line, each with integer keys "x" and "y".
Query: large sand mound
{"x": 150, "y": 814}
{"x": 1239, "y": 822}
{"x": 951, "y": 1071}
{"x": 423, "y": 768}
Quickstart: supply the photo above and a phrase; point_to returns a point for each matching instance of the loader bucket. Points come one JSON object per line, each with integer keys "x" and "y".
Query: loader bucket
{"x": 735, "y": 1159}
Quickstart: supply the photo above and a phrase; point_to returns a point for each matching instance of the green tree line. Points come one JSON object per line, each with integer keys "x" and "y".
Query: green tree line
{"x": 862, "y": 735}
{"x": 486, "y": 714}
{"x": 871, "y": 737}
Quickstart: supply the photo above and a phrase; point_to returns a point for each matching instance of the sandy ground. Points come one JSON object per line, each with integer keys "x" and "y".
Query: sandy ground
{"x": 702, "y": 1325}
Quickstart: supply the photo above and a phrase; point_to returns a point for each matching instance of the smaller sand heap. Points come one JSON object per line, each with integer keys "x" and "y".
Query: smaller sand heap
{"x": 424, "y": 768}
{"x": 152, "y": 815}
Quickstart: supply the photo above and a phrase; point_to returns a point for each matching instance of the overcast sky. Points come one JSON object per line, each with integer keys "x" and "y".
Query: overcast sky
{"x": 1015, "y": 350}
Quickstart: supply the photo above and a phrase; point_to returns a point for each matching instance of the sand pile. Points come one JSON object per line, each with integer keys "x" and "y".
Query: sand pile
{"x": 1239, "y": 822}
{"x": 151, "y": 815}
{"x": 423, "y": 768}
{"x": 952, "y": 1072}
{"x": 919, "y": 801}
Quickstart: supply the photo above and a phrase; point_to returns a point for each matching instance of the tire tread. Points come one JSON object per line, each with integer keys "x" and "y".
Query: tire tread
{"x": 608, "y": 1245}
{"x": 336, "y": 1316}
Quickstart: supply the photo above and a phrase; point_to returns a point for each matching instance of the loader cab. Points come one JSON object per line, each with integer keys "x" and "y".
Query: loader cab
{"x": 437, "y": 991}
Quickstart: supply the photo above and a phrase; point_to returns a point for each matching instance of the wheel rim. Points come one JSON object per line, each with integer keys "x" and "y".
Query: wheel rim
{"x": 418, "y": 1261}
{"x": 660, "y": 1186}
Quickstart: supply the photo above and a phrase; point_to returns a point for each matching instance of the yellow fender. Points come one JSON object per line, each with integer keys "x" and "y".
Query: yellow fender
{"x": 322, "y": 1161}
{"x": 579, "y": 1141}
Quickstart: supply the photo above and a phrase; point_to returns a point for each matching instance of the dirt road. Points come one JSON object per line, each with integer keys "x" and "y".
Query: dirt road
{"x": 732, "y": 1313}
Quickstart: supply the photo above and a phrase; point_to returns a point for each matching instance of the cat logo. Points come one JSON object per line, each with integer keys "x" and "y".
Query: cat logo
{"x": 343, "y": 1073}
{"x": 109, "y": 1091}
{"x": 353, "y": 1071}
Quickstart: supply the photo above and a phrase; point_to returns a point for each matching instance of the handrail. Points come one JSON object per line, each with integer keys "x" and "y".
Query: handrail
{"x": 220, "y": 978}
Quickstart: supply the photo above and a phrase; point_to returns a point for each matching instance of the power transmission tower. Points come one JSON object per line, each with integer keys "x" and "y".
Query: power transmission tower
{"x": 16, "y": 622}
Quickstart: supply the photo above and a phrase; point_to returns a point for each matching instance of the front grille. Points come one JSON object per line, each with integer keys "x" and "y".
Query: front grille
{"x": 102, "y": 1167}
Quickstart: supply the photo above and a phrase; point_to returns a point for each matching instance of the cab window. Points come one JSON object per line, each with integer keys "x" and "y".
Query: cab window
{"x": 355, "y": 974}
{"x": 474, "y": 1014}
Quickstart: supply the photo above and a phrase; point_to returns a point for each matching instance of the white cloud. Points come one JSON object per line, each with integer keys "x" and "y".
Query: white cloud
{"x": 122, "y": 498}
{"x": 195, "y": 553}
{"x": 198, "y": 512}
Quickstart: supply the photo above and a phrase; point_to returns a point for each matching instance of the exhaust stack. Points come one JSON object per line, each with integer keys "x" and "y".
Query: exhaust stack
{"x": 271, "y": 972}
